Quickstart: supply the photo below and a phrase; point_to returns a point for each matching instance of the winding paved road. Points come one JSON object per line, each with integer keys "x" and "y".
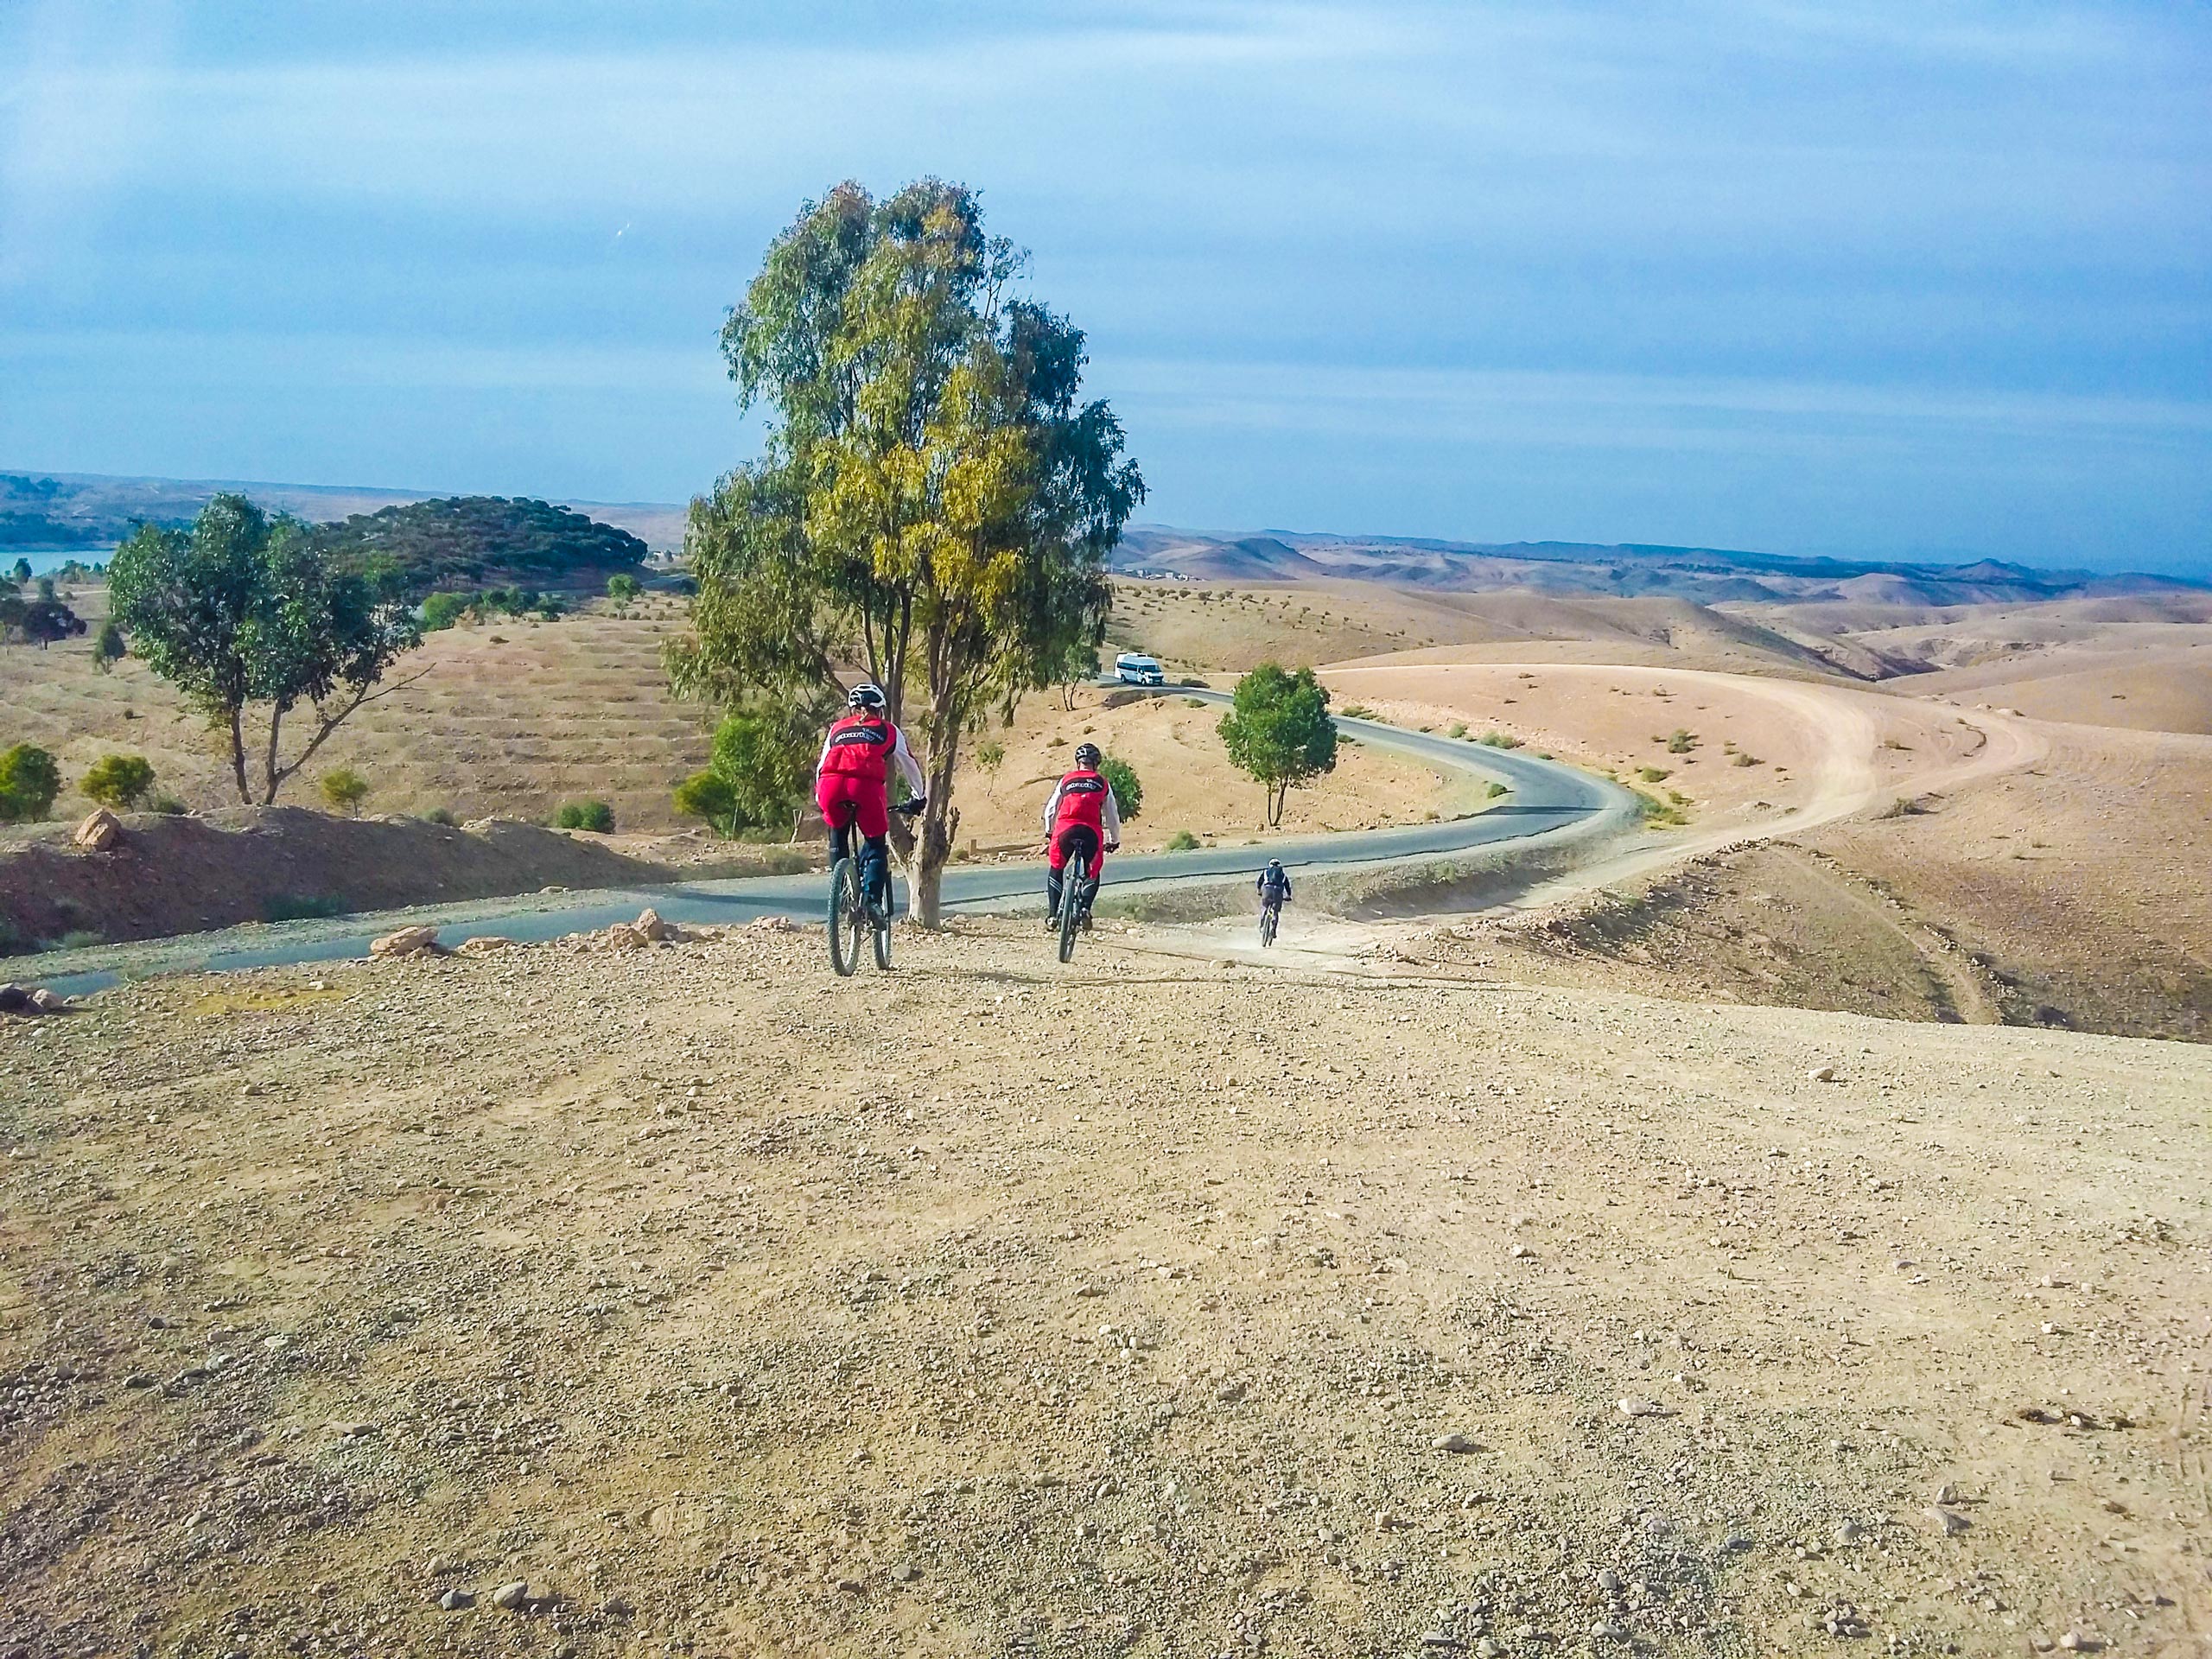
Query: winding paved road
{"x": 1550, "y": 804}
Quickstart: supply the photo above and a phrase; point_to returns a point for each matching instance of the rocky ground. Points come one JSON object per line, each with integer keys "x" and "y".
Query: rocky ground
{"x": 692, "y": 1300}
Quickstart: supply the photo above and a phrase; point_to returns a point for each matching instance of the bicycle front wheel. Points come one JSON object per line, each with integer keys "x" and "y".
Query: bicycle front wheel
{"x": 848, "y": 917}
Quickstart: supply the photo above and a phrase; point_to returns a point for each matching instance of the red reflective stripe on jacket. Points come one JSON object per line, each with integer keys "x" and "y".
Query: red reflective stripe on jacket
{"x": 859, "y": 747}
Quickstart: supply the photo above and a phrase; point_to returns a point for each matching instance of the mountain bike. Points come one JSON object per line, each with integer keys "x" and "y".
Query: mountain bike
{"x": 1270, "y": 918}
{"x": 851, "y": 915}
{"x": 1076, "y": 891}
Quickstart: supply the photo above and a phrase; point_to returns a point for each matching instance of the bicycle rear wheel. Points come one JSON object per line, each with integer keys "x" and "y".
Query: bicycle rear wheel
{"x": 880, "y": 921}
{"x": 848, "y": 917}
{"x": 1073, "y": 882}
{"x": 1267, "y": 924}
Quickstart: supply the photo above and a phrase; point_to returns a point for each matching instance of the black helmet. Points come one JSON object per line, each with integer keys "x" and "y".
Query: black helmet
{"x": 867, "y": 695}
{"x": 1087, "y": 756}
{"x": 1274, "y": 863}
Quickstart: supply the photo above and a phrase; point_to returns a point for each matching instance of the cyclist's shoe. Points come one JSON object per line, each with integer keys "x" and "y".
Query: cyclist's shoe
{"x": 1051, "y": 924}
{"x": 1086, "y": 921}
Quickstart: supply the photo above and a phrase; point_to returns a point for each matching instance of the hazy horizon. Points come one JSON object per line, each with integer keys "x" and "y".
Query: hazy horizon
{"x": 1817, "y": 278}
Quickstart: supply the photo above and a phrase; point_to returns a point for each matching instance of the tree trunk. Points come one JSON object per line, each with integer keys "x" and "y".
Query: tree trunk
{"x": 237, "y": 756}
{"x": 268, "y": 762}
{"x": 940, "y": 819}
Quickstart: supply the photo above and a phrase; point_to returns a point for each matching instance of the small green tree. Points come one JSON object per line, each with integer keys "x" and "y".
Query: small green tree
{"x": 345, "y": 789}
{"x": 441, "y": 611}
{"x": 622, "y": 588}
{"x": 991, "y": 755}
{"x": 1278, "y": 731}
{"x": 766, "y": 749}
{"x": 598, "y": 817}
{"x": 29, "y": 779}
{"x": 109, "y": 648}
{"x": 119, "y": 781}
{"x": 22, "y": 572}
{"x": 1121, "y": 777}
{"x": 243, "y": 611}
{"x": 706, "y": 796}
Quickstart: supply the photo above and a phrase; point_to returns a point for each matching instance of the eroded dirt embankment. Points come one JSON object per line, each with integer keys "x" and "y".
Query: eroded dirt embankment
{"x": 171, "y": 876}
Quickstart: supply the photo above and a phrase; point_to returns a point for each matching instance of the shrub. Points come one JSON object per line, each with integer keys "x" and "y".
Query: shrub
{"x": 1746, "y": 757}
{"x": 168, "y": 806}
{"x": 120, "y": 781}
{"x": 345, "y": 789}
{"x": 1653, "y": 774}
{"x": 1680, "y": 741}
{"x": 623, "y": 588}
{"x": 1497, "y": 789}
{"x": 598, "y": 817}
{"x": 1357, "y": 711}
{"x": 441, "y": 611}
{"x": 29, "y": 780}
{"x": 1501, "y": 741}
{"x": 302, "y": 906}
{"x": 1194, "y": 703}
{"x": 441, "y": 815}
{"x": 1121, "y": 777}
{"x": 109, "y": 647}
{"x": 707, "y": 796}
{"x": 1657, "y": 813}
{"x": 1458, "y": 728}
{"x": 77, "y": 938}
{"x": 1182, "y": 842}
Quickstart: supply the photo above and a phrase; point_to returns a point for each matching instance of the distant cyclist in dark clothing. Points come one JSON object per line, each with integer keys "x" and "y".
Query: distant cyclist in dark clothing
{"x": 1274, "y": 885}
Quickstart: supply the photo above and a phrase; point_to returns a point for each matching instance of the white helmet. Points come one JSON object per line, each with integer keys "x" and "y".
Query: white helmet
{"x": 867, "y": 695}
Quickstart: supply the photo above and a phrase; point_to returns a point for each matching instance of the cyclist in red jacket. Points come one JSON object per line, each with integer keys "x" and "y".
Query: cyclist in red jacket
{"x": 1082, "y": 813}
{"x": 852, "y": 785}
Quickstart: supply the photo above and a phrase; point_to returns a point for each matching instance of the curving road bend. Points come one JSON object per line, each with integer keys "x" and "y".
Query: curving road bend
{"x": 1550, "y": 804}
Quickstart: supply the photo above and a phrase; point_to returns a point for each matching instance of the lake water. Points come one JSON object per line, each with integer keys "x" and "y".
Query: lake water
{"x": 46, "y": 559}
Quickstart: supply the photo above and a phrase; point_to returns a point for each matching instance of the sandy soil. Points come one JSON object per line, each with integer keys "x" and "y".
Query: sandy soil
{"x": 1176, "y": 749}
{"x": 1125, "y": 1309}
{"x": 1765, "y": 754}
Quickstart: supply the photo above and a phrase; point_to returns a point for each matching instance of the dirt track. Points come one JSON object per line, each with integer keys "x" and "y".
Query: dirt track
{"x": 1001, "y": 1307}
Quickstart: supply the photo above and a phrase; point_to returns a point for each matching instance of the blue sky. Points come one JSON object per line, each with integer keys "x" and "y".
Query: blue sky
{"x": 1903, "y": 280}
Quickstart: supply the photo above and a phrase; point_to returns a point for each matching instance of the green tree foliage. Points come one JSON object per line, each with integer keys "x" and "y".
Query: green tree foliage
{"x": 441, "y": 610}
{"x": 932, "y": 506}
{"x": 345, "y": 789}
{"x": 762, "y": 773}
{"x": 623, "y": 587}
{"x": 242, "y": 612}
{"x": 109, "y": 647}
{"x": 1121, "y": 777}
{"x": 706, "y": 796}
{"x": 472, "y": 541}
{"x": 40, "y": 622}
{"x": 1278, "y": 731}
{"x": 120, "y": 781}
{"x": 29, "y": 779}
{"x": 22, "y": 573}
{"x": 596, "y": 816}
{"x": 991, "y": 755}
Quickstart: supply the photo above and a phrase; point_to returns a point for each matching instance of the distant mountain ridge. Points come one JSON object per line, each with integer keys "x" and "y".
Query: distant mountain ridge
{"x": 1634, "y": 569}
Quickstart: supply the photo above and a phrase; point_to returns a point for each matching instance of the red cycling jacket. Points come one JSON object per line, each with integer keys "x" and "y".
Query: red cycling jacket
{"x": 859, "y": 746}
{"x": 1084, "y": 798}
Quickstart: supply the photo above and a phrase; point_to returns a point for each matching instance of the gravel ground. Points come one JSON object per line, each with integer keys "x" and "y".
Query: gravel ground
{"x": 692, "y": 1300}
